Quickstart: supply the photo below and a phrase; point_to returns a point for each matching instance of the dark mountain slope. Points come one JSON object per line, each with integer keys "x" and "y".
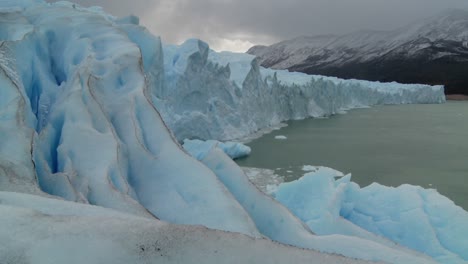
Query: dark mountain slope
{"x": 432, "y": 51}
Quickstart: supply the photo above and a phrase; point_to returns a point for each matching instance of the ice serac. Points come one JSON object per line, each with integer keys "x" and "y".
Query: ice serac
{"x": 224, "y": 96}
{"x": 408, "y": 215}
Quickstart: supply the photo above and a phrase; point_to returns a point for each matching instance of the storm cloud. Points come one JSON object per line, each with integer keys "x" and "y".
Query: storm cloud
{"x": 238, "y": 24}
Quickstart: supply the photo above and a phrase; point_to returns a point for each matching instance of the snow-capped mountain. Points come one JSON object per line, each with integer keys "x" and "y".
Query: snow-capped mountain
{"x": 432, "y": 51}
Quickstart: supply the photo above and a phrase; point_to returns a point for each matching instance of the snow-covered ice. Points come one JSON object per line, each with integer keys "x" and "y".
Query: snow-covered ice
{"x": 281, "y": 137}
{"x": 92, "y": 110}
{"x": 49, "y": 231}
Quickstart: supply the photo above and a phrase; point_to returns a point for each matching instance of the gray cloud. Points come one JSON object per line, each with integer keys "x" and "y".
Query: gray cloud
{"x": 118, "y": 7}
{"x": 239, "y": 23}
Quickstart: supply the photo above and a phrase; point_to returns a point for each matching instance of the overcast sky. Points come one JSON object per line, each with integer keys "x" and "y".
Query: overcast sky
{"x": 238, "y": 24}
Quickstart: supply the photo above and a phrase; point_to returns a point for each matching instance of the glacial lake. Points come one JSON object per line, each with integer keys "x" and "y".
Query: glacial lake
{"x": 424, "y": 145}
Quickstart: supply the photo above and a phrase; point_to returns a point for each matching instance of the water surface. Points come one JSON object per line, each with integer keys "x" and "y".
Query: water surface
{"x": 423, "y": 145}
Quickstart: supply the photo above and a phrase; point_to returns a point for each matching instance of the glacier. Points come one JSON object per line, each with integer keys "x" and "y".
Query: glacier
{"x": 225, "y": 96}
{"x": 93, "y": 109}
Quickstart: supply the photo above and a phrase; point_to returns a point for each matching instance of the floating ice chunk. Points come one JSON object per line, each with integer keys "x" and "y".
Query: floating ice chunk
{"x": 309, "y": 168}
{"x": 281, "y": 137}
{"x": 266, "y": 180}
{"x": 411, "y": 216}
{"x": 323, "y": 170}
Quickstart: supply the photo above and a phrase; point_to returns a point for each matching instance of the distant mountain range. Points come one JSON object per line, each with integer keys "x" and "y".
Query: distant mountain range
{"x": 431, "y": 51}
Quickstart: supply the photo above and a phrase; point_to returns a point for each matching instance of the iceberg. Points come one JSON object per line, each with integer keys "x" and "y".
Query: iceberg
{"x": 281, "y": 137}
{"x": 92, "y": 110}
{"x": 408, "y": 215}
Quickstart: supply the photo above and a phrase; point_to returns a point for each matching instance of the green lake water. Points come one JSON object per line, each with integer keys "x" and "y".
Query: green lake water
{"x": 423, "y": 145}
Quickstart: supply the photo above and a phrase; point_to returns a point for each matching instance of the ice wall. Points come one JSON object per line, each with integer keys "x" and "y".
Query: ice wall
{"x": 209, "y": 95}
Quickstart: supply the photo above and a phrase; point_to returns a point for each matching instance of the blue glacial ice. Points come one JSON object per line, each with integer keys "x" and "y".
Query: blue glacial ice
{"x": 92, "y": 110}
{"x": 224, "y": 96}
{"x": 234, "y": 150}
{"x": 421, "y": 219}
{"x": 277, "y": 223}
{"x": 97, "y": 137}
